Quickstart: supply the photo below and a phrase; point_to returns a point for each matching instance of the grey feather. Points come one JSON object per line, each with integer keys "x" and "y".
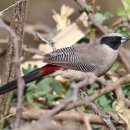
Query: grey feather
{"x": 69, "y": 57}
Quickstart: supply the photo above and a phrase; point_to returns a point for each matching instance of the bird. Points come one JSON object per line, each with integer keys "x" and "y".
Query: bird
{"x": 97, "y": 58}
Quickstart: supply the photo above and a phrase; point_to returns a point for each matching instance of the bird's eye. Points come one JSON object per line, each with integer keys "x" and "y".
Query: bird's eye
{"x": 117, "y": 39}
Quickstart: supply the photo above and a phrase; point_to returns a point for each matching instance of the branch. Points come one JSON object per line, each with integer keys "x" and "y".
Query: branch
{"x": 19, "y": 12}
{"x": 33, "y": 50}
{"x": 6, "y": 9}
{"x": 83, "y": 3}
{"x": 8, "y": 73}
{"x": 124, "y": 60}
{"x": 35, "y": 114}
{"x": 121, "y": 82}
{"x": 88, "y": 81}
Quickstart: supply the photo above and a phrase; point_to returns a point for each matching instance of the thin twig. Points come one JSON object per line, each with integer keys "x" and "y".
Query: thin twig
{"x": 20, "y": 84}
{"x": 57, "y": 109}
{"x": 124, "y": 60}
{"x": 122, "y": 81}
{"x": 33, "y": 50}
{"x": 83, "y": 4}
{"x": 51, "y": 43}
{"x": 19, "y": 17}
{"x": 5, "y": 26}
{"x": 104, "y": 117}
{"x": 35, "y": 114}
{"x": 87, "y": 122}
{"x": 6, "y": 9}
{"x": 24, "y": 48}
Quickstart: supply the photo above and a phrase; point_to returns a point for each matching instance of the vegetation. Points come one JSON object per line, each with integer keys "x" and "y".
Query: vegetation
{"x": 51, "y": 102}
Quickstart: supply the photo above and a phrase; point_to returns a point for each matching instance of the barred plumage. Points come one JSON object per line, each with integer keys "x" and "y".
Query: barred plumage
{"x": 68, "y": 57}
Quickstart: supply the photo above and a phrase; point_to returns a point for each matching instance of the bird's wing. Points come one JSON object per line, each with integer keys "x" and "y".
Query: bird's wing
{"x": 68, "y": 57}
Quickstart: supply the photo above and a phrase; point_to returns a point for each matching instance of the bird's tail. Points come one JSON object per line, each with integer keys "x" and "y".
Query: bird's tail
{"x": 34, "y": 75}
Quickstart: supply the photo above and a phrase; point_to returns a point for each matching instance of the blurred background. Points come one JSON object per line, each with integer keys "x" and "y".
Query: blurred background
{"x": 41, "y": 10}
{"x": 45, "y": 17}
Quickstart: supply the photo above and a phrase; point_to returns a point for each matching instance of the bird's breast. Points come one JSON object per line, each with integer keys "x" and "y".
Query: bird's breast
{"x": 108, "y": 58}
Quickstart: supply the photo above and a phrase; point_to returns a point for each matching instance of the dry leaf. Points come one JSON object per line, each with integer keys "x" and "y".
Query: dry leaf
{"x": 62, "y": 20}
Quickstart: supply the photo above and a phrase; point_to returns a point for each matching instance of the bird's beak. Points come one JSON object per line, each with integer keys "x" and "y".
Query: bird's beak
{"x": 124, "y": 39}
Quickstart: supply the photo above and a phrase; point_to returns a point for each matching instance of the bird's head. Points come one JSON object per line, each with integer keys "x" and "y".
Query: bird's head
{"x": 114, "y": 40}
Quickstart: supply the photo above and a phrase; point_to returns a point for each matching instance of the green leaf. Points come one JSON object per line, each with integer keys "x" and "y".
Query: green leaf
{"x": 123, "y": 31}
{"x": 105, "y": 101}
{"x": 115, "y": 67}
{"x": 127, "y": 2}
{"x": 29, "y": 98}
{"x": 44, "y": 85}
{"x": 82, "y": 108}
{"x": 29, "y": 69}
{"x": 56, "y": 98}
{"x": 93, "y": 88}
{"x": 38, "y": 94}
{"x": 126, "y": 90}
{"x": 31, "y": 90}
{"x": 68, "y": 94}
{"x": 88, "y": 8}
{"x": 121, "y": 12}
{"x": 37, "y": 90}
{"x": 108, "y": 15}
{"x": 100, "y": 17}
{"x": 39, "y": 105}
{"x": 49, "y": 97}
{"x": 90, "y": 91}
{"x": 6, "y": 128}
{"x": 96, "y": 127}
{"x": 57, "y": 87}
{"x": 49, "y": 84}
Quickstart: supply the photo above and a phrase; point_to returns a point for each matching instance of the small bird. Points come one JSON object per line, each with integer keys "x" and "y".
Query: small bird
{"x": 97, "y": 58}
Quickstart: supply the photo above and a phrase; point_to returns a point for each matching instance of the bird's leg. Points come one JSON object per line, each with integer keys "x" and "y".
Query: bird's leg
{"x": 51, "y": 42}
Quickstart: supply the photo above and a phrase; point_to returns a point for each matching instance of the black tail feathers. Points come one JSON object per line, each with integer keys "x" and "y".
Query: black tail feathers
{"x": 34, "y": 75}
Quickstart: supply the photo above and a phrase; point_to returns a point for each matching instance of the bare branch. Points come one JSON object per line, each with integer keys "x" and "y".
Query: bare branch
{"x": 51, "y": 43}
